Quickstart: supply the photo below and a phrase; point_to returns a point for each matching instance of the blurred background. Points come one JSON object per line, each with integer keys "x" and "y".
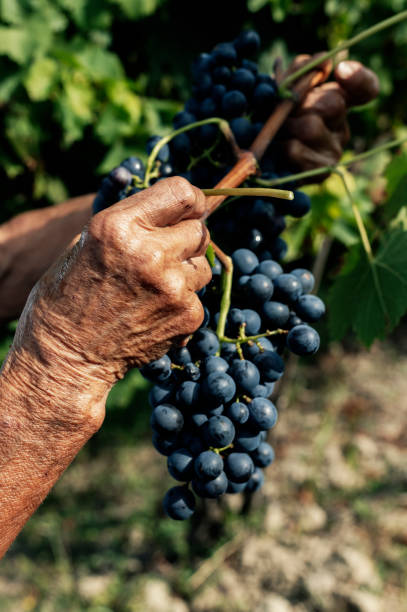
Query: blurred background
{"x": 83, "y": 83}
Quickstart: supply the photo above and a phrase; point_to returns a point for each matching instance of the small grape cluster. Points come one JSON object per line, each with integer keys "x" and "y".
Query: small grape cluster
{"x": 211, "y": 411}
{"x": 210, "y": 399}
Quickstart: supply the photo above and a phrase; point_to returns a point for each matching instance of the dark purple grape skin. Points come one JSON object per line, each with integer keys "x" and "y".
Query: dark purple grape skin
{"x": 303, "y": 340}
{"x": 179, "y": 503}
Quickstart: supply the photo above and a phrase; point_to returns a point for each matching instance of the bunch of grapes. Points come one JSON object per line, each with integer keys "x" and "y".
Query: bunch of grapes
{"x": 210, "y": 400}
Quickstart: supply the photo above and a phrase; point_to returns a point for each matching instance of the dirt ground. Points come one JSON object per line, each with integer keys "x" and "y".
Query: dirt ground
{"x": 327, "y": 533}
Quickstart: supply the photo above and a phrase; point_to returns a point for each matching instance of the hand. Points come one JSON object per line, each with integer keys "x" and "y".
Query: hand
{"x": 127, "y": 290}
{"x": 318, "y": 130}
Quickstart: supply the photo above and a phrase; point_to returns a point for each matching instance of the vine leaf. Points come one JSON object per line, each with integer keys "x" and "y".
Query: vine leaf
{"x": 370, "y": 296}
{"x": 396, "y": 175}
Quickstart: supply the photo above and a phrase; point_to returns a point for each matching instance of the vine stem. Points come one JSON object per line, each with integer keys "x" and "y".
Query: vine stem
{"x": 282, "y": 194}
{"x": 386, "y": 23}
{"x": 328, "y": 169}
{"x": 223, "y": 126}
{"x": 227, "y": 279}
{"x": 266, "y": 334}
{"x": 358, "y": 218}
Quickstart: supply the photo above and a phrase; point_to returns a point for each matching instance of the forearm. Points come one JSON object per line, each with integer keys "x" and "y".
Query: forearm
{"x": 30, "y": 242}
{"x": 48, "y": 410}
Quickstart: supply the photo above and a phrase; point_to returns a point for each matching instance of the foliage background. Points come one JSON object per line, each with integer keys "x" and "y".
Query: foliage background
{"x": 83, "y": 83}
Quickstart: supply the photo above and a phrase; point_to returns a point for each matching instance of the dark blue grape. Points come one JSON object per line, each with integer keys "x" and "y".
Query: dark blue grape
{"x": 247, "y": 43}
{"x": 182, "y": 119}
{"x": 188, "y": 394}
{"x": 237, "y": 412}
{"x": 263, "y": 413}
{"x": 211, "y": 488}
{"x": 228, "y": 351}
{"x": 245, "y": 375}
{"x": 243, "y": 80}
{"x": 218, "y": 91}
{"x": 263, "y": 455}
{"x": 180, "y": 465}
{"x": 179, "y": 503}
{"x": 252, "y": 320}
{"x": 203, "y": 344}
{"x": 299, "y": 206}
{"x": 191, "y": 372}
{"x": 270, "y": 365}
{"x": 134, "y": 165}
{"x": 246, "y": 440}
{"x": 203, "y": 86}
{"x": 250, "y": 65}
{"x": 264, "y": 97}
{"x": 192, "y": 442}
{"x": 275, "y": 314}
{"x": 234, "y": 103}
{"x": 208, "y": 465}
{"x": 202, "y": 64}
{"x": 218, "y": 388}
{"x": 224, "y": 53}
{"x": 243, "y": 131}
{"x": 157, "y": 371}
{"x": 239, "y": 467}
{"x": 293, "y": 320}
{"x": 121, "y": 176}
{"x": 260, "y": 391}
{"x": 254, "y": 239}
{"x": 160, "y": 394}
{"x": 234, "y": 321}
{"x": 165, "y": 445}
{"x": 306, "y": 278}
{"x": 279, "y": 248}
{"x": 198, "y": 419}
{"x": 214, "y": 364}
{"x": 310, "y": 308}
{"x": 221, "y": 74}
{"x": 235, "y": 487}
{"x": 259, "y": 288}
{"x": 163, "y": 154}
{"x": 303, "y": 340}
{"x": 251, "y": 349}
{"x": 207, "y": 108}
{"x": 207, "y": 316}
{"x": 256, "y": 481}
{"x": 180, "y": 356}
{"x": 244, "y": 261}
{"x": 215, "y": 411}
{"x": 166, "y": 419}
{"x": 219, "y": 431}
{"x": 287, "y": 288}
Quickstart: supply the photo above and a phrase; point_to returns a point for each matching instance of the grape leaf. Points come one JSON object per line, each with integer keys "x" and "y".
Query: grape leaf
{"x": 396, "y": 175}
{"x": 370, "y": 297}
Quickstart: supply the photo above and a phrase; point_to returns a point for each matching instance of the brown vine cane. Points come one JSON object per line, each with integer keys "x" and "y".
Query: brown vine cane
{"x": 247, "y": 163}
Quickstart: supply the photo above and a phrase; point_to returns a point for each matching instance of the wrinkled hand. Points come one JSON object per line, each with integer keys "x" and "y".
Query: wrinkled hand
{"x": 314, "y": 136}
{"x": 127, "y": 290}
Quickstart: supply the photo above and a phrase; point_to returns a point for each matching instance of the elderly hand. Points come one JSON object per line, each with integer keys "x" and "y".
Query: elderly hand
{"x": 315, "y": 134}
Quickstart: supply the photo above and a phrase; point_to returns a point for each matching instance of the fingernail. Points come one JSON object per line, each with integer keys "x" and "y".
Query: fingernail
{"x": 345, "y": 70}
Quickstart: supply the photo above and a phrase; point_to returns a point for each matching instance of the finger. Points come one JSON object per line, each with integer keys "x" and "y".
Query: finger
{"x": 188, "y": 238}
{"x": 328, "y": 101}
{"x": 167, "y": 203}
{"x": 310, "y": 129}
{"x": 197, "y": 272}
{"x": 303, "y": 59}
{"x": 305, "y": 158}
{"x": 359, "y": 83}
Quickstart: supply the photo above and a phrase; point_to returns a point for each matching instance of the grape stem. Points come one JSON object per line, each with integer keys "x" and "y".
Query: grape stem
{"x": 346, "y": 44}
{"x": 257, "y": 192}
{"x": 328, "y": 169}
{"x": 266, "y": 334}
{"x": 223, "y": 126}
{"x": 227, "y": 278}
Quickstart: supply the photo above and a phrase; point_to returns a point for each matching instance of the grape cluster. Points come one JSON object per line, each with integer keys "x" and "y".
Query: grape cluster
{"x": 211, "y": 411}
{"x": 210, "y": 400}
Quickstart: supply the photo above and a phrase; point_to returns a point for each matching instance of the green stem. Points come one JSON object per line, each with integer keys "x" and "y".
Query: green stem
{"x": 266, "y": 334}
{"x": 386, "y": 23}
{"x": 257, "y": 192}
{"x": 328, "y": 169}
{"x": 223, "y": 126}
{"x": 227, "y": 278}
{"x": 358, "y": 218}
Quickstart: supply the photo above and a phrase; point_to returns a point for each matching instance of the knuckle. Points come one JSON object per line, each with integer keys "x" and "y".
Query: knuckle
{"x": 173, "y": 288}
{"x": 313, "y": 127}
{"x": 107, "y": 228}
{"x": 193, "y": 315}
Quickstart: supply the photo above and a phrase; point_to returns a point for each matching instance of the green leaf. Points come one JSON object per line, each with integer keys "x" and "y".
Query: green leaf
{"x": 12, "y": 11}
{"x": 40, "y": 78}
{"x": 210, "y": 255}
{"x": 100, "y": 64}
{"x": 15, "y": 43}
{"x": 396, "y": 175}
{"x": 139, "y": 9}
{"x": 370, "y": 297}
